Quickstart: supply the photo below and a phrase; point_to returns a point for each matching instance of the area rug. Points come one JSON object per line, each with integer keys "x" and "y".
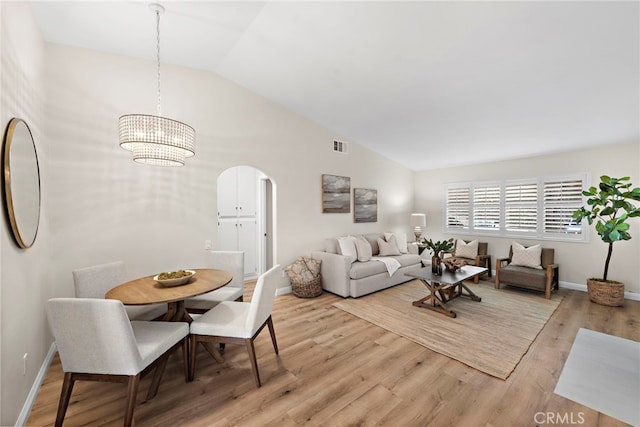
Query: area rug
{"x": 491, "y": 335}
{"x": 603, "y": 373}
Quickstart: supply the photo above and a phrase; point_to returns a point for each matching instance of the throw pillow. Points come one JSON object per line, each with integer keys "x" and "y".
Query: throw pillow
{"x": 526, "y": 257}
{"x": 348, "y": 247}
{"x": 401, "y": 241}
{"x": 363, "y": 248}
{"x": 388, "y": 248}
{"x": 466, "y": 250}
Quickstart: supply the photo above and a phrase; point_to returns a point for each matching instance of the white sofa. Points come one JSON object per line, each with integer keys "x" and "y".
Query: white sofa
{"x": 355, "y": 279}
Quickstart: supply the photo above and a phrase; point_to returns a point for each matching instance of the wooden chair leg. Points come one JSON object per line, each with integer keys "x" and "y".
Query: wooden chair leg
{"x": 185, "y": 357}
{"x": 272, "y": 332}
{"x": 192, "y": 357}
{"x": 132, "y": 391}
{"x": 65, "y": 396}
{"x": 252, "y": 359}
{"x": 161, "y": 364}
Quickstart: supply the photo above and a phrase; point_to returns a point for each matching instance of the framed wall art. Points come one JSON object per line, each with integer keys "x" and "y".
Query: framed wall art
{"x": 336, "y": 194}
{"x": 365, "y": 205}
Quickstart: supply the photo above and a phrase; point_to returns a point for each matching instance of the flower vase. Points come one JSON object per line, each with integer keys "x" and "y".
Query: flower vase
{"x": 436, "y": 265}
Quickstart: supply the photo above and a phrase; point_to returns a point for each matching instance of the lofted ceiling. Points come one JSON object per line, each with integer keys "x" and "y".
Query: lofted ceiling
{"x": 429, "y": 84}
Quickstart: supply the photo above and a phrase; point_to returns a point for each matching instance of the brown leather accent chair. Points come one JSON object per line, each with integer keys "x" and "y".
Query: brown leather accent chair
{"x": 544, "y": 279}
{"x": 482, "y": 259}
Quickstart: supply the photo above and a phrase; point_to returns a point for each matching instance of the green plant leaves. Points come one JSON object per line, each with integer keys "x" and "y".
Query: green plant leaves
{"x": 609, "y": 206}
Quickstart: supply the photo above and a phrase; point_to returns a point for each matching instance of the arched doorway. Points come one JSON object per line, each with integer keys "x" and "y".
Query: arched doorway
{"x": 246, "y": 217}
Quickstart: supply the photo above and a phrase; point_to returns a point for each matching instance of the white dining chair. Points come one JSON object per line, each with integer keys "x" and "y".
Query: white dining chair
{"x": 95, "y": 281}
{"x": 231, "y": 261}
{"x": 234, "y": 322}
{"x": 96, "y": 341}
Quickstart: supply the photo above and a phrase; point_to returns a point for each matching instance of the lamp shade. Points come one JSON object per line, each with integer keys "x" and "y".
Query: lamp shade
{"x": 418, "y": 220}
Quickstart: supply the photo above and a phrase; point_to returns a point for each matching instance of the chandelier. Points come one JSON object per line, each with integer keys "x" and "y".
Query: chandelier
{"x": 157, "y": 140}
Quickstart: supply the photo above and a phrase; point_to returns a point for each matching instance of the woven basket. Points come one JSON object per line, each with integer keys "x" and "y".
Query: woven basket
{"x": 307, "y": 290}
{"x": 305, "y": 278}
{"x": 609, "y": 293}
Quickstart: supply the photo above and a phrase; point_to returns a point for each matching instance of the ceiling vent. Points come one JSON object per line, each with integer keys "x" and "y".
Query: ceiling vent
{"x": 339, "y": 146}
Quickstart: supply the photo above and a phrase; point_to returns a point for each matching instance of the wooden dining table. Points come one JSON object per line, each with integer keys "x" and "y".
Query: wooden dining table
{"x": 146, "y": 290}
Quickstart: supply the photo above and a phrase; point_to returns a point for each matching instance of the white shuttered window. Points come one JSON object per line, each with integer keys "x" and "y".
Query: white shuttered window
{"x": 521, "y": 207}
{"x": 560, "y": 199}
{"x": 486, "y": 207}
{"x": 539, "y": 208}
{"x": 457, "y": 208}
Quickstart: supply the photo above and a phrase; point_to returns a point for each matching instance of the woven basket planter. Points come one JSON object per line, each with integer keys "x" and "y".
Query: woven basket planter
{"x": 305, "y": 278}
{"x": 609, "y": 293}
{"x": 307, "y": 290}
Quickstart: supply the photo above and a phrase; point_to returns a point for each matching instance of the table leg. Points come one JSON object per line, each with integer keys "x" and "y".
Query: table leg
{"x": 213, "y": 352}
{"x": 433, "y": 302}
{"x": 469, "y": 293}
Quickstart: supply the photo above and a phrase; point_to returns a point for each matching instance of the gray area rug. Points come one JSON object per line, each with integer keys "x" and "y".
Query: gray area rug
{"x": 603, "y": 373}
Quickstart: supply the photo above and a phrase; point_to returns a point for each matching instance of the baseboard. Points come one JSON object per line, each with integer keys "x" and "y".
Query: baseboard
{"x": 583, "y": 287}
{"x": 35, "y": 388}
{"x": 283, "y": 291}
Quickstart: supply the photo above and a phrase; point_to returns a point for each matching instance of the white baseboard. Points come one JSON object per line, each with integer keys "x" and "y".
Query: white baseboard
{"x": 35, "y": 388}
{"x": 583, "y": 287}
{"x": 285, "y": 290}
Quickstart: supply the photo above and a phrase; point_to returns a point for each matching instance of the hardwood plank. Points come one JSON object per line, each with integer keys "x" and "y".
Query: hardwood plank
{"x": 337, "y": 369}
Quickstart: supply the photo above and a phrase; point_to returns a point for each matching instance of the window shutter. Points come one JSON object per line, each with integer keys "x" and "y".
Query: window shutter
{"x": 560, "y": 200}
{"x": 486, "y": 208}
{"x": 521, "y": 207}
{"x": 457, "y": 208}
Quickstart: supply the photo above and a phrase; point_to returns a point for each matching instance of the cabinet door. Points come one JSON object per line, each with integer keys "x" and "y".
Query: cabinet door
{"x": 228, "y": 193}
{"x": 247, "y": 191}
{"x": 227, "y": 235}
{"x": 247, "y": 242}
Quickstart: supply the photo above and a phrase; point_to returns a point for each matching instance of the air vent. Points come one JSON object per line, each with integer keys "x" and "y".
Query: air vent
{"x": 339, "y": 146}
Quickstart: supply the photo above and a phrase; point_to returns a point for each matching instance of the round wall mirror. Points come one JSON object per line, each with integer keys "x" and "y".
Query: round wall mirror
{"x": 21, "y": 182}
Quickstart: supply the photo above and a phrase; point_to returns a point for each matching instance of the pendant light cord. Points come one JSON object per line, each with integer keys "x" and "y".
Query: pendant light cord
{"x": 158, "y": 59}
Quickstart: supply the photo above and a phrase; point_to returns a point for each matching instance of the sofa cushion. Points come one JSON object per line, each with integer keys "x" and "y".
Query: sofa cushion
{"x": 526, "y": 257}
{"x": 331, "y": 245}
{"x": 466, "y": 250}
{"x": 516, "y": 274}
{"x": 372, "y": 238}
{"x": 363, "y": 248}
{"x": 401, "y": 241}
{"x": 347, "y": 246}
{"x": 388, "y": 248}
{"x": 361, "y": 270}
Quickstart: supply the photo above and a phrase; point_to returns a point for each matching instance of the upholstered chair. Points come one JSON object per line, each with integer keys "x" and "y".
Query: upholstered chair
{"x": 542, "y": 277}
{"x": 231, "y": 261}
{"x": 96, "y": 341}
{"x": 473, "y": 253}
{"x": 234, "y": 322}
{"x": 95, "y": 281}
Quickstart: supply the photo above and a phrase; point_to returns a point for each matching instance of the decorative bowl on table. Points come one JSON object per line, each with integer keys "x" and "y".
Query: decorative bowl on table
{"x": 453, "y": 265}
{"x": 174, "y": 278}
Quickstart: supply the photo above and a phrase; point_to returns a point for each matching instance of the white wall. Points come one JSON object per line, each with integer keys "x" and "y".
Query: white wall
{"x": 578, "y": 261}
{"x": 100, "y": 206}
{"x": 24, "y": 280}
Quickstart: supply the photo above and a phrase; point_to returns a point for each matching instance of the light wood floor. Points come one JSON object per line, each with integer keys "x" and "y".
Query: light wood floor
{"x": 335, "y": 369}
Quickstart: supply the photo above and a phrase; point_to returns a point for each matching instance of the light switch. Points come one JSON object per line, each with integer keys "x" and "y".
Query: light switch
{"x": 207, "y": 245}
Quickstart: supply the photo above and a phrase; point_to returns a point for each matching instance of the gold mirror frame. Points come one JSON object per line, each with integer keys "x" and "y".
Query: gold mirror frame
{"x": 21, "y": 182}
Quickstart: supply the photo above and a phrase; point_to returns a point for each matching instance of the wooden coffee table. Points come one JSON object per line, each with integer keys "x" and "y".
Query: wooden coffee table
{"x": 445, "y": 287}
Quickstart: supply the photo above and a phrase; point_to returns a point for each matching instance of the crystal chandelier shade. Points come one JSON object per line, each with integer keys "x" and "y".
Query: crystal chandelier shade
{"x": 157, "y": 140}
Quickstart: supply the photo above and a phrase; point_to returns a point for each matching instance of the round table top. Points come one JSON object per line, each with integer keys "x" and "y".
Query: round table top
{"x": 147, "y": 291}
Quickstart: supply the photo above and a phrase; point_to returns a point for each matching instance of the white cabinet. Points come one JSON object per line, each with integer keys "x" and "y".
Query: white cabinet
{"x": 237, "y": 214}
{"x": 237, "y": 192}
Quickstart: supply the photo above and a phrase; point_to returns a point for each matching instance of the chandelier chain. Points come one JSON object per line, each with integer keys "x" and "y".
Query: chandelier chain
{"x": 158, "y": 60}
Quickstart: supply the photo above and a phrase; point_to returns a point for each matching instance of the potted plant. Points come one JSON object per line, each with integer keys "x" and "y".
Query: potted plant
{"x": 610, "y": 206}
{"x": 437, "y": 249}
